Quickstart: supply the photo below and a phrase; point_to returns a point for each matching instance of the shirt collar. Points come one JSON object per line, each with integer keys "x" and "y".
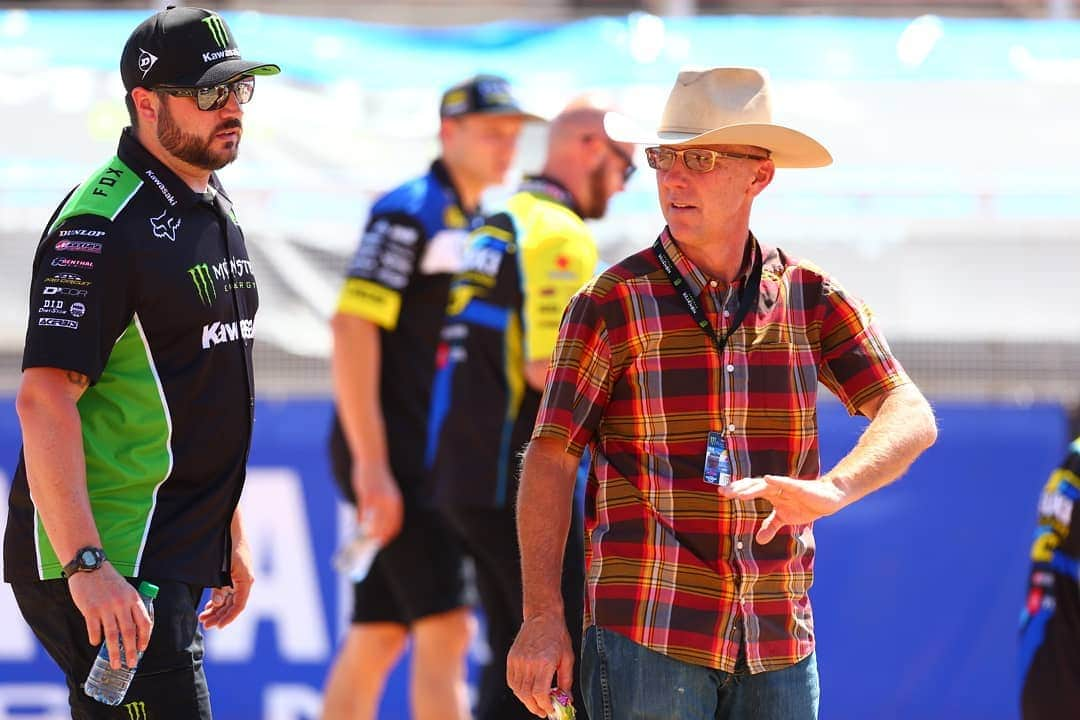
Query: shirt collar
{"x": 174, "y": 191}
{"x": 548, "y": 187}
{"x": 695, "y": 278}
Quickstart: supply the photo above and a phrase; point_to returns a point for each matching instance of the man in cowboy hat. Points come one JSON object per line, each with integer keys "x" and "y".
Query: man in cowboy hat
{"x": 690, "y": 369}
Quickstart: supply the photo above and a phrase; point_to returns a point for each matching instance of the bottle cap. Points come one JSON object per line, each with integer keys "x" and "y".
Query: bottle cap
{"x": 150, "y": 590}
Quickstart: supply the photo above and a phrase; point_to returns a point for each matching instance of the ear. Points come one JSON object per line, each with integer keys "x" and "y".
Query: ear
{"x": 448, "y": 128}
{"x": 762, "y": 177}
{"x": 595, "y": 151}
{"x": 146, "y": 104}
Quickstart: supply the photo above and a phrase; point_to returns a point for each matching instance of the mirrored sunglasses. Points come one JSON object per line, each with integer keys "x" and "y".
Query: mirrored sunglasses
{"x": 214, "y": 98}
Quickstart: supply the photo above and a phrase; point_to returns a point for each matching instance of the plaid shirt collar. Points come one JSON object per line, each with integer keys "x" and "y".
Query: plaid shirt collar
{"x": 699, "y": 282}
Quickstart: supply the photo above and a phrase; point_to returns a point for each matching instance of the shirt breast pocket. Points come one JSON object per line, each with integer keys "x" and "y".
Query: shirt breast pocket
{"x": 782, "y": 386}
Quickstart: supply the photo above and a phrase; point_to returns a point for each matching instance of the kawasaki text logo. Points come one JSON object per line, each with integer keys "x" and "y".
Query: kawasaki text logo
{"x": 204, "y": 284}
{"x": 219, "y": 332}
{"x": 216, "y": 25}
{"x": 136, "y": 710}
{"x": 220, "y": 55}
{"x": 164, "y": 191}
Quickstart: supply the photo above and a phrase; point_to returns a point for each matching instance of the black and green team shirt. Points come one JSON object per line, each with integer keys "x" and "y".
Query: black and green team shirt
{"x": 145, "y": 287}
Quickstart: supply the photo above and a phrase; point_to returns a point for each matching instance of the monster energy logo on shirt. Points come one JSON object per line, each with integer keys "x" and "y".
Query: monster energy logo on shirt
{"x": 217, "y": 30}
{"x": 204, "y": 284}
{"x": 136, "y": 710}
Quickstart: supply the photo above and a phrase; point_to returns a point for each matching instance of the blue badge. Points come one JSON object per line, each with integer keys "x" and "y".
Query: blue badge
{"x": 717, "y": 462}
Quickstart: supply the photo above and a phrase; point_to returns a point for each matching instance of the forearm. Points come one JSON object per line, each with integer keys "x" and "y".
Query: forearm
{"x": 355, "y": 367}
{"x": 56, "y": 469}
{"x": 902, "y": 427}
{"x": 536, "y": 374}
{"x": 544, "y": 504}
{"x": 236, "y": 528}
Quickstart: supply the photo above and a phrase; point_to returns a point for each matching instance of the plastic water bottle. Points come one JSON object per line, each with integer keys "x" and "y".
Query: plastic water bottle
{"x": 105, "y": 684}
{"x": 354, "y": 558}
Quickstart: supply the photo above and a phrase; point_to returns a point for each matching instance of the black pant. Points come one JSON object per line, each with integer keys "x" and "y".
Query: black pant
{"x": 169, "y": 684}
{"x": 490, "y": 537}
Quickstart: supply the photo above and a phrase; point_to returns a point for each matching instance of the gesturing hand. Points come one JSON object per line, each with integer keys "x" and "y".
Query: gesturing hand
{"x": 795, "y": 502}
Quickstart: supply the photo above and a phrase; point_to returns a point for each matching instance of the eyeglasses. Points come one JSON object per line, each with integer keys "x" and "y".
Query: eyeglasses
{"x": 214, "y": 98}
{"x": 700, "y": 160}
{"x": 631, "y": 168}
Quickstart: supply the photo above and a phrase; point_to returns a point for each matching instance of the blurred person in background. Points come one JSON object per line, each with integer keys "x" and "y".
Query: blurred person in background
{"x": 690, "y": 369}
{"x": 385, "y": 331}
{"x": 141, "y": 328}
{"x": 521, "y": 268}
{"x": 1050, "y": 621}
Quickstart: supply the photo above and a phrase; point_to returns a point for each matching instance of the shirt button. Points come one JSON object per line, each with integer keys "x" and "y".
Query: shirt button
{"x": 727, "y": 314}
{"x": 739, "y": 544}
{"x": 730, "y": 368}
{"x": 712, "y": 283}
{"x": 731, "y": 427}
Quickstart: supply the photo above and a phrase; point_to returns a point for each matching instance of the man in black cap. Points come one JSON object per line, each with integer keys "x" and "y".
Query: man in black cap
{"x": 386, "y": 329}
{"x": 136, "y": 400}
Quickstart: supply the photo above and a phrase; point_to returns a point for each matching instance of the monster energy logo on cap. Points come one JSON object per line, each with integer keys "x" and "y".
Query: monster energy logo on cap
{"x": 136, "y": 710}
{"x": 204, "y": 284}
{"x": 217, "y": 30}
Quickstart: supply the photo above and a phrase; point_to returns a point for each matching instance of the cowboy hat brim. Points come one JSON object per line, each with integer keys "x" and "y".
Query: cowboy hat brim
{"x": 789, "y": 148}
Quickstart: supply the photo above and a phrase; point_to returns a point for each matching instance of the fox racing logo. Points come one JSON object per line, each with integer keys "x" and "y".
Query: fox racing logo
{"x": 165, "y": 227}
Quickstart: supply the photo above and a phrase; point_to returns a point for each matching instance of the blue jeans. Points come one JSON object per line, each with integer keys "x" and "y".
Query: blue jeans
{"x": 622, "y": 680}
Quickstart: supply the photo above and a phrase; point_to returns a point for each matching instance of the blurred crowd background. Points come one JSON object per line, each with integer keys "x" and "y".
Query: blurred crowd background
{"x": 953, "y": 208}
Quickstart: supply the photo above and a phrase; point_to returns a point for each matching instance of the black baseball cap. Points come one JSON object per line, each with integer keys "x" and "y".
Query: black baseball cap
{"x": 185, "y": 47}
{"x": 484, "y": 95}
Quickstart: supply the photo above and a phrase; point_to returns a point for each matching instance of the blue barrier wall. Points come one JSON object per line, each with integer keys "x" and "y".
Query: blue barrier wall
{"x": 917, "y": 596}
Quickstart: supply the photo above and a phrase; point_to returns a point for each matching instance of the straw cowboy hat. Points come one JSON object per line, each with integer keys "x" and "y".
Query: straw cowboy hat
{"x": 723, "y": 106}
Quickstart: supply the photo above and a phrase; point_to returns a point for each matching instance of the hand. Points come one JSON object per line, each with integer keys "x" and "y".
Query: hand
{"x": 795, "y": 502}
{"x": 108, "y": 602}
{"x": 226, "y": 603}
{"x": 379, "y": 507}
{"x": 541, "y": 649}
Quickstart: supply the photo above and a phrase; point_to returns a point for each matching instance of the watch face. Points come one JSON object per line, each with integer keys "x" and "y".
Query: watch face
{"x": 89, "y": 559}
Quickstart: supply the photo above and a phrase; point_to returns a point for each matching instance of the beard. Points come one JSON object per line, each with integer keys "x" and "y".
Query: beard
{"x": 596, "y": 204}
{"x": 193, "y": 149}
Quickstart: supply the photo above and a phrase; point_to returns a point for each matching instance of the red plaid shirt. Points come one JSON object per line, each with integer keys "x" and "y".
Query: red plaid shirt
{"x": 670, "y": 564}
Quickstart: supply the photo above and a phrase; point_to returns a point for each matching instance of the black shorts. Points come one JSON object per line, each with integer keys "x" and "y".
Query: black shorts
{"x": 421, "y": 572}
{"x": 169, "y": 683}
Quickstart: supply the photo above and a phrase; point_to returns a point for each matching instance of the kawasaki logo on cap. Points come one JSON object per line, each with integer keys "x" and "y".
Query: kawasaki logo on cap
{"x": 217, "y": 30}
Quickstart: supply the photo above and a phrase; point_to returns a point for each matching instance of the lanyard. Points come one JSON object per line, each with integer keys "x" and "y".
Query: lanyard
{"x": 748, "y": 296}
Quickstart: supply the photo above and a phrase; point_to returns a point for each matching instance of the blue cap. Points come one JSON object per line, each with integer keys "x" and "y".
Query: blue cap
{"x": 482, "y": 95}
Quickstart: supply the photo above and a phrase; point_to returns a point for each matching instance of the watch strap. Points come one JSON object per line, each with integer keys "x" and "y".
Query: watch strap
{"x": 78, "y": 564}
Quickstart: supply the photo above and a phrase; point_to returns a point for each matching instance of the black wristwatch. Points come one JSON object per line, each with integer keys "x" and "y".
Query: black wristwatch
{"x": 86, "y": 559}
